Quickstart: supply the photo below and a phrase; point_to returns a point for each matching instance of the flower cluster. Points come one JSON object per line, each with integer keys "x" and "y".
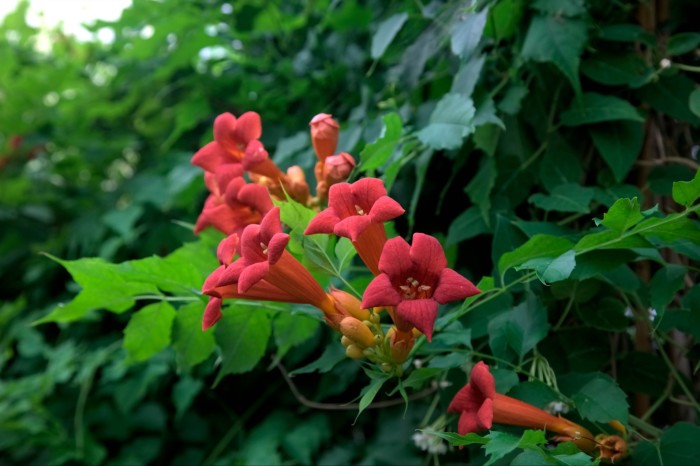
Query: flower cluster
{"x": 410, "y": 280}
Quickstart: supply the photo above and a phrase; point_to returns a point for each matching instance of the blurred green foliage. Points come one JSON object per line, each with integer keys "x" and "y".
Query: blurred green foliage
{"x": 545, "y": 142}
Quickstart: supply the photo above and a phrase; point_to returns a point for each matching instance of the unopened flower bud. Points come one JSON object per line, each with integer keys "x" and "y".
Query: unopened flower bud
{"x": 324, "y": 135}
{"x": 345, "y": 341}
{"x": 337, "y": 168}
{"x": 296, "y": 185}
{"x": 374, "y": 318}
{"x": 357, "y": 331}
{"x": 346, "y": 304}
{"x": 354, "y": 352}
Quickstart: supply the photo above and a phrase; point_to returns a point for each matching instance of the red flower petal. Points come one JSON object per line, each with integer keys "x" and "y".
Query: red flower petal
{"x": 212, "y": 282}
{"x": 429, "y": 258}
{"x": 232, "y": 273}
{"x": 467, "y": 424}
{"x": 323, "y": 222}
{"x": 352, "y": 227}
{"x": 256, "y": 196}
{"x": 482, "y": 381}
{"x": 395, "y": 260}
{"x": 227, "y": 248}
{"x": 276, "y": 246}
{"x": 270, "y": 225}
{"x": 484, "y": 416}
{"x": 212, "y": 313}
{"x": 251, "y": 275}
{"x": 421, "y": 313}
{"x": 366, "y": 191}
{"x": 380, "y": 292}
{"x": 250, "y": 244}
{"x": 341, "y": 200}
{"x": 248, "y": 127}
{"x": 255, "y": 154}
{"x": 224, "y": 127}
{"x": 452, "y": 286}
{"x": 384, "y": 209}
{"x": 210, "y": 157}
{"x": 459, "y": 402}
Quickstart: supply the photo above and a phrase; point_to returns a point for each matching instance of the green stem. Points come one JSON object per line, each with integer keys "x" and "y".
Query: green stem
{"x": 166, "y": 298}
{"x": 693, "y": 69}
{"x": 679, "y": 380}
{"x": 640, "y": 424}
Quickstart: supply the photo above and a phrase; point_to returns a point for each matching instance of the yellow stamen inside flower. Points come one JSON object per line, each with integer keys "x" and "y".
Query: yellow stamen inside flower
{"x": 359, "y": 210}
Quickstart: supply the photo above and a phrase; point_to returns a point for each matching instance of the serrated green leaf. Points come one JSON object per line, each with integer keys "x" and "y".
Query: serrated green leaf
{"x": 565, "y": 198}
{"x": 687, "y": 192}
{"x": 665, "y": 283}
{"x": 148, "y": 331}
{"x": 468, "y": 75}
{"x": 592, "y": 107}
{"x": 103, "y": 287}
{"x": 242, "y": 334}
{"x": 376, "y": 154}
{"x": 623, "y": 215}
{"x": 559, "y": 41}
{"x": 619, "y": 143}
{"x": 519, "y": 329}
{"x": 538, "y": 246}
{"x": 599, "y": 399}
{"x": 190, "y": 343}
{"x": 499, "y": 445}
{"x": 466, "y": 33}
{"x": 387, "y": 30}
{"x": 450, "y": 122}
{"x": 532, "y": 438}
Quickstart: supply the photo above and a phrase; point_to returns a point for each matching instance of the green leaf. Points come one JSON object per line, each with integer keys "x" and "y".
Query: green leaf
{"x": 519, "y": 329}
{"x": 468, "y": 75}
{"x": 561, "y": 164}
{"x": 504, "y": 19}
{"x": 640, "y": 372}
{"x": 678, "y": 446}
{"x": 615, "y": 69}
{"x": 306, "y": 438}
{"x": 671, "y": 95}
{"x": 450, "y": 122}
{"x": 466, "y": 225}
{"x": 513, "y": 97}
{"x": 148, "y": 331}
{"x": 344, "y": 252}
{"x": 292, "y": 329}
{"x": 466, "y": 33}
{"x": 190, "y": 343}
{"x": 539, "y": 246}
{"x": 560, "y": 7}
{"x": 184, "y": 393}
{"x": 419, "y": 377}
{"x": 565, "y": 198}
{"x": 385, "y": 34}
{"x": 682, "y": 43}
{"x": 104, "y": 287}
{"x": 627, "y": 33}
{"x": 694, "y": 102}
{"x": 687, "y": 192}
{"x": 550, "y": 270}
{"x": 242, "y": 334}
{"x": 459, "y": 440}
{"x": 597, "y": 397}
{"x": 479, "y": 188}
{"x": 376, "y": 154}
{"x": 619, "y": 143}
{"x": 592, "y": 107}
{"x": 609, "y": 239}
{"x": 369, "y": 392}
{"x": 532, "y": 438}
{"x": 557, "y": 40}
{"x": 608, "y": 314}
{"x": 623, "y": 215}
{"x": 331, "y": 356}
{"x": 665, "y": 283}
{"x": 500, "y": 444}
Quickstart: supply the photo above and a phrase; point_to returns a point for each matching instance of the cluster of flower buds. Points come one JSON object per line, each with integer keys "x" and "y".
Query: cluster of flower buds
{"x": 479, "y": 407}
{"x": 410, "y": 281}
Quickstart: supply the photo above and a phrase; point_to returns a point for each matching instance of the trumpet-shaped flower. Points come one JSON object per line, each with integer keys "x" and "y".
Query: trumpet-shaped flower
{"x": 358, "y": 211}
{"x": 416, "y": 279}
{"x": 479, "y": 406}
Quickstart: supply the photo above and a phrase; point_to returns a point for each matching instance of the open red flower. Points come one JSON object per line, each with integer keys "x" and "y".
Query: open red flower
{"x": 358, "y": 211}
{"x": 479, "y": 406}
{"x": 234, "y": 134}
{"x": 416, "y": 279}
